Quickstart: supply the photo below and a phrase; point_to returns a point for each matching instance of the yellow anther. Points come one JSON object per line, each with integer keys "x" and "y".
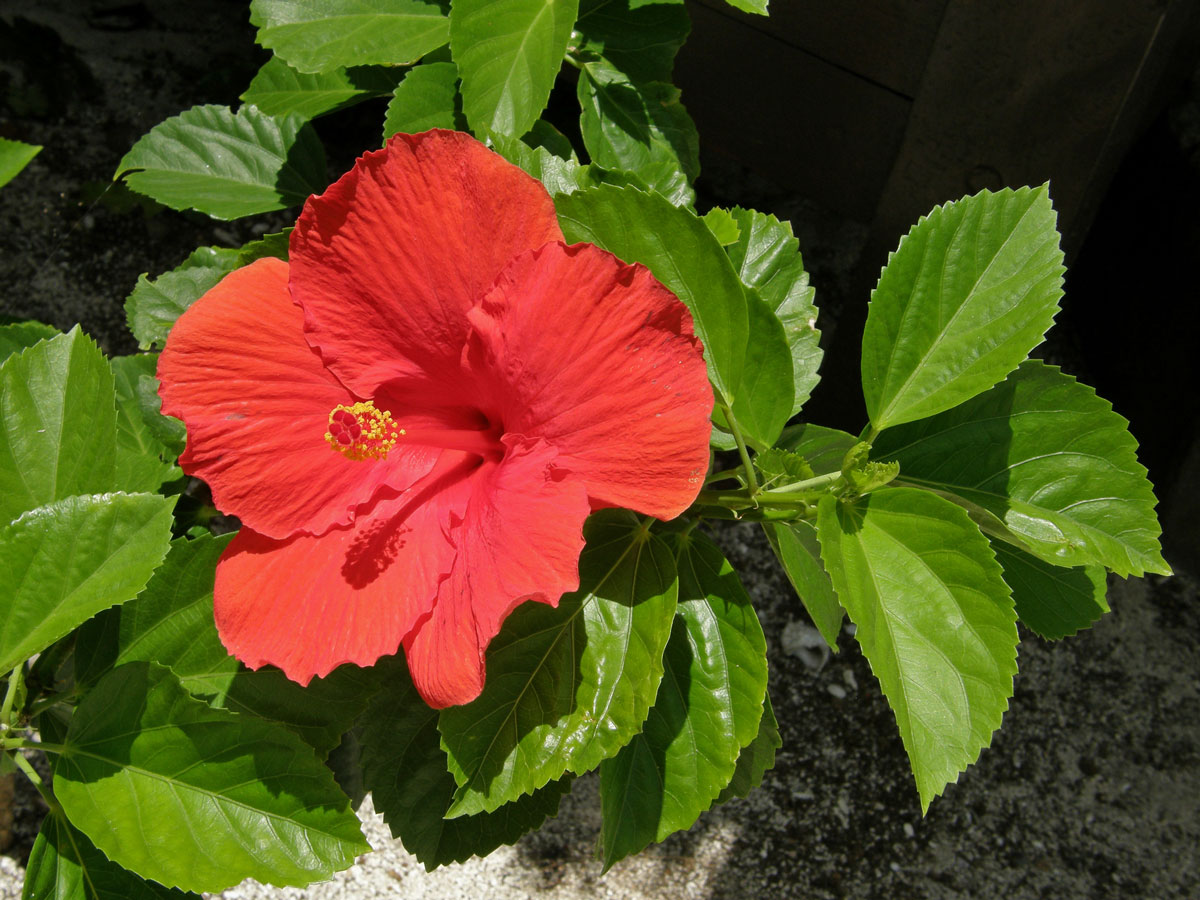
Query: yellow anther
{"x": 361, "y": 431}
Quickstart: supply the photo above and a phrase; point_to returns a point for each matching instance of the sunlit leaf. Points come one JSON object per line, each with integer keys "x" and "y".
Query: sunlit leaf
{"x": 233, "y": 796}
{"x": 756, "y": 758}
{"x": 969, "y": 292}
{"x": 934, "y": 619}
{"x": 278, "y": 89}
{"x": 1050, "y": 461}
{"x": 15, "y": 156}
{"x": 155, "y": 304}
{"x": 426, "y": 98}
{"x": 57, "y": 424}
{"x": 508, "y": 53}
{"x": 62, "y": 563}
{"x": 758, "y": 7}
{"x": 567, "y": 687}
{"x": 322, "y": 35}
{"x": 796, "y": 546}
{"x": 143, "y": 461}
{"x": 16, "y": 336}
{"x": 227, "y": 165}
{"x": 640, "y": 40}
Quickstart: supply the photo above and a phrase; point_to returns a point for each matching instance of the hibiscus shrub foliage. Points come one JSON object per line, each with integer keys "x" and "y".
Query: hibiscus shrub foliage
{"x": 469, "y": 414}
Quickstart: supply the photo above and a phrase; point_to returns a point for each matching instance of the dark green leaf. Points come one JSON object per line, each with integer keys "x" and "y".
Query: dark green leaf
{"x": 508, "y": 54}
{"x": 404, "y": 767}
{"x": 543, "y": 134}
{"x": 426, "y": 98}
{"x": 764, "y": 396}
{"x": 641, "y": 128}
{"x": 16, "y": 336}
{"x": 640, "y": 42}
{"x": 229, "y": 796}
{"x": 967, "y": 294}
{"x": 568, "y": 687}
{"x": 57, "y": 424}
{"x": 15, "y": 156}
{"x": 143, "y": 462}
{"x": 781, "y": 467}
{"x": 227, "y": 165}
{"x": 322, "y": 35}
{"x": 824, "y": 448}
{"x": 767, "y": 258}
{"x": 708, "y": 707}
{"x": 155, "y": 304}
{"x": 62, "y": 563}
{"x": 560, "y": 175}
{"x": 1050, "y": 461}
{"x": 278, "y": 89}
{"x": 934, "y": 619}
{"x": 65, "y": 865}
{"x": 168, "y": 430}
{"x": 796, "y": 546}
{"x": 269, "y": 245}
{"x": 1053, "y": 601}
{"x": 756, "y": 758}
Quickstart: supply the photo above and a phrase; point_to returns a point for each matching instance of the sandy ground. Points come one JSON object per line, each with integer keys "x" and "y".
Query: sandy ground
{"x": 1089, "y": 791}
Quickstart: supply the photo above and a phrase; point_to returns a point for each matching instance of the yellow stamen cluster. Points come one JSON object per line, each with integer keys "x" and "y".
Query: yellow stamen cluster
{"x": 361, "y": 431}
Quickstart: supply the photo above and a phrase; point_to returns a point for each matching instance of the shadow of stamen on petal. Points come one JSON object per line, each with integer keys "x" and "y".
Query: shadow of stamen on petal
{"x": 373, "y": 551}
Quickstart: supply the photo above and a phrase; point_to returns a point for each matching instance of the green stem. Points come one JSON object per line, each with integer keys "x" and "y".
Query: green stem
{"x": 53, "y": 700}
{"x": 736, "y": 431}
{"x": 809, "y": 484}
{"x": 31, "y": 773}
{"x": 869, "y": 433}
{"x": 21, "y": 743}
{"x": 724, "y": 475}
{"x": 14, "y": 685}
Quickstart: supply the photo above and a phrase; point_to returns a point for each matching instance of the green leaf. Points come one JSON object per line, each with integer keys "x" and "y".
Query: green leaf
{"x": 758, "y": 7}
{"x": 723, "y": 225}
{"x": 57, "y": 424}
{"x": 971, "y": 289}
{"x": 231, "y": 797}
{"x": 779, "y": 467}
{"x": 404, "y": 767}
{"x": 641, "y": 128}
{"x": 823, "y": 448}
{"x": 65, "y": 865}
{"x": 143, "y": 462}
{"x": 15, "y": 156}
{"x": 766, "y": 257}
{"x": 861, "y": 476}
{"x": 155, "y": 304}
{"x": 273, "y": 245}
{"x": 559, "y": 174}
{"x": 278, "y": 89}
{"x": 426, "y": 98}
{"x": 709, "y": 705}
{"x": 543, "y": 134}
{"x": 934, "y": 619}
{"x": 639, "y": 42}
{"x": 1053, "y": 601}
{"x": 756, "y": 758}
{"x": 798, "y": 551}
{"x": 227, "y": 165}
{"x": 322, "y": 35}
{"x": 568, "y": 687}
{"x": 508, "y": 54}
{"x": 64, "y": 562}
{"x": 684, "y": 255}
{"x": 1049, "y": 461}
{"x": 16, "y": 336}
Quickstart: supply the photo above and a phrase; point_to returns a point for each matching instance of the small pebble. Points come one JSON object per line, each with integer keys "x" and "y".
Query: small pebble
{"x": 909, "y": 831}
{"x": 837, "y": 690}
{"x": 805, "y": 642}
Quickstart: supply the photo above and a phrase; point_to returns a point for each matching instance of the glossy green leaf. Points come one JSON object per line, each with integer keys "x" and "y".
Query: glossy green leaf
{"x": 279, "y": 90}
{"x": 1050, "y": 461}
{"x": 155, "y": 304}
{"x": 682, "y": 253}
{"x": 756, "y": 758}
{"x": 823, "y": 448}
{"x": 208, "y": 159}
{"x": 767, "y": 258}
{"x": 508, "y": 53}
{"x": 560, "y": 175}
{"x": 758, "y": 7}
{"x": 1053, "y": 601}
{"x": 568, "y": 687}
{"x": 639, "y": 40}
{"x": 708, "y": 707}
{"x": 64, "y": 562}
{"x": 971, "y": 289}
{"x": 16, "y": 336}
{"x": 641, "y": 128}
{"x": 323, "y": 35}
{"x": 426, "y": 98}
{"x": 798, "y": 551}
{"x": 57, "y": 424}
{"x": 763, "y": 402}
{"x": 404, "y": 767}
{"x": 231, "y": 796}
{"x": 934, "y": 619}
{"x": 65, "y": 865}
{"x": 15, "y": 156}
{"x": 143, "y": 461}
{"x": 274, "y": 245}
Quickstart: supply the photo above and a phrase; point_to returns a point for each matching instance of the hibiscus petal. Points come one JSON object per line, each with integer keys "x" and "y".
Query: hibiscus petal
{"x": 308, "y": 604}
{"x": 389, "y": 259}
{"x": 256, "y": 401}
{"x": 598, "y": 358}
{"x": 520, "y": 539}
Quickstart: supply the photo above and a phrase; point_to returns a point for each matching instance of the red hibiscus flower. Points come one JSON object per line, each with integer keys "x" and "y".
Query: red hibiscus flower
{"x": 413, "y": 419}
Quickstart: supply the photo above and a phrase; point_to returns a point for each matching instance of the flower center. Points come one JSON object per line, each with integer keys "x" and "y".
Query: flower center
{"x": 361, "y": 431}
